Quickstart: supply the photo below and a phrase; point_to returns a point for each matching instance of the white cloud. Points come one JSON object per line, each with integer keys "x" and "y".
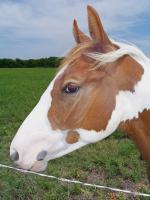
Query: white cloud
{"x": 49, "y": 22}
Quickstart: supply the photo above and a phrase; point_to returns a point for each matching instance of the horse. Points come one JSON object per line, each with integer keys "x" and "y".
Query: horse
{"x": 101, "y": 86}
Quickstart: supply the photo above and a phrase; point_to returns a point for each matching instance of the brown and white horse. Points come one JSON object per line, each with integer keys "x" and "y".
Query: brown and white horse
{"x": 102, "y": 86}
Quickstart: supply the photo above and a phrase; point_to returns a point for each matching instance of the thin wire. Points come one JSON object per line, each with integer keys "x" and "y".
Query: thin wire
{"x": 76, "y": 182}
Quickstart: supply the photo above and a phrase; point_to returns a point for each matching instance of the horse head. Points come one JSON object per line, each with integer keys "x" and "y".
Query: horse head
{"x": 84, "y": 103}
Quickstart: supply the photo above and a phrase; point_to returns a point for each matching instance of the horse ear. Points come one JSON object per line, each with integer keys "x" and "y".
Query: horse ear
{"x": 95, "y": 27}
{"x": 79, "y": 36}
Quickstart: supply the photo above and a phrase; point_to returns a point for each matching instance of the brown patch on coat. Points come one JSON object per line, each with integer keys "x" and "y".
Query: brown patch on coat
{"x": 92, "y": 106}
{"x": 72, "y": 137}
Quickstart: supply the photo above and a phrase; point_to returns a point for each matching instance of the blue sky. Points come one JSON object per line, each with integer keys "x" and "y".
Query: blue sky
{"x": 35, "y": 28}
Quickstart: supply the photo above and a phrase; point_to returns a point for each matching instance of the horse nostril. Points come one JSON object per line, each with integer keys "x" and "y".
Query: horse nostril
{"x": 15, "y": 156}
{"x": 41, "y": 155}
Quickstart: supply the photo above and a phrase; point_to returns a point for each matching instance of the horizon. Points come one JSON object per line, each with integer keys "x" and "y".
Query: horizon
{"x": 24, "y": 59}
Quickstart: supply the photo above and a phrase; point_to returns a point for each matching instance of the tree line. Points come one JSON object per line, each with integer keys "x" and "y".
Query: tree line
{"x": 19, "y": 63}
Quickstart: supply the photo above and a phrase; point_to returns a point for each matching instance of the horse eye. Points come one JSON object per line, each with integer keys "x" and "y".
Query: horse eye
{"x": 71, "y": 88}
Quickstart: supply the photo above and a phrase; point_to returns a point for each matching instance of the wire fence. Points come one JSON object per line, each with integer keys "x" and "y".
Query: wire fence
{"x": 76, "y": 181}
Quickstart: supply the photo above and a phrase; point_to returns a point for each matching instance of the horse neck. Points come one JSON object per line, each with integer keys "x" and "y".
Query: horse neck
{"x": 139, "y": 131}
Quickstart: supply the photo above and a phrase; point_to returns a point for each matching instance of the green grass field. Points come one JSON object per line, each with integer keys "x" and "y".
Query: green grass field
{"x": 114, "y": 162}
